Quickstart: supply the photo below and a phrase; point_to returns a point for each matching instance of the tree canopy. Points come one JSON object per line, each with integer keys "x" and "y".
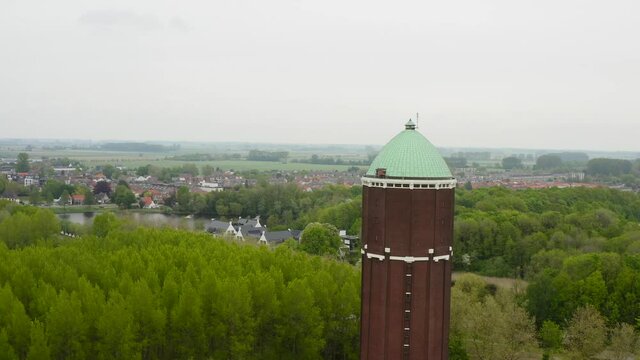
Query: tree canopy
{"x": 549, "y": 161}
{"x": 168, "y": 294}
{"x": 124, "y": 197}
{"x": 22, "y": 165}
{"x": 604, "y": 167}
{"x": 320, "y": 239}
{"x": 511, "y": 162}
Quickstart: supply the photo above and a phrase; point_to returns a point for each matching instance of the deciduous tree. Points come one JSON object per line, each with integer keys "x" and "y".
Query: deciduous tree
{"x": 320, "y": 239}
{"x": 624, "y": 342}
{"x": 549, "y": 161}
{"x": 102, "y": 187}
{"x": 586, "y": 333}
{"x": 551, "y": 335}
{"x": 124, "y": 197}
{"x": 38, "y": 350}
{"x": 22, "y": 165}
{"x": 511, "y": 162}
{"x": 104, "y": 223}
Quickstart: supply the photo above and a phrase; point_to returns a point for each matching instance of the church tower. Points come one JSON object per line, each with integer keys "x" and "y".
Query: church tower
{"x": 407, "y": 230}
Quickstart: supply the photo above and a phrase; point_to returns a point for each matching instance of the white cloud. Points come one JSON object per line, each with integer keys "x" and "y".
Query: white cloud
{"x": 113, "y": 18}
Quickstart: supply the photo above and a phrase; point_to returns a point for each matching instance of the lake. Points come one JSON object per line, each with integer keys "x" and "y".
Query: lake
{"x": 147, "y": 219}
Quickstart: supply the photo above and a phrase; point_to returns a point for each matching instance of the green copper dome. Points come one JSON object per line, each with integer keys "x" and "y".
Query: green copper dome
{"x": 410, "y": 155}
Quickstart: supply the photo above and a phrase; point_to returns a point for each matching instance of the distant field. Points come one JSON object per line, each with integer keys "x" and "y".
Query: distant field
{"x": 506, "y": 283}
{"x": 85, "y": 155}
{"x": 94, "y": 158}
{"x": 237, "y": 165}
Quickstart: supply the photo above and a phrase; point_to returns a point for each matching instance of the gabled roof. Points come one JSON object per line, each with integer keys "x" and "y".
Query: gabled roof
{"x": 278, "y": 236}
{"x": 250, "y": 230}
{"x": 217, "y": 226}
{"x": 231, "y": 229}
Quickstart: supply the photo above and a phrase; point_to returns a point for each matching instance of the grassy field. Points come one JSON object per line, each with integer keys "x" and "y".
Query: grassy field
{"x": 93, "y": 158}
{"x": 505, "y": 283}
{"x": 236, "y": 165}
{"x": 83, "y": 155}
{"x": 241, "y": 165}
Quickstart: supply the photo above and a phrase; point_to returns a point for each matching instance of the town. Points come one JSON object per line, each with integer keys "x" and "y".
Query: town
{"x": 68, "y": 182}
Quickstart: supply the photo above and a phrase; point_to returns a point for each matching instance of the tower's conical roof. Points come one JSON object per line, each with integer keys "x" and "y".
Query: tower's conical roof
{"x": 410, "y": 155}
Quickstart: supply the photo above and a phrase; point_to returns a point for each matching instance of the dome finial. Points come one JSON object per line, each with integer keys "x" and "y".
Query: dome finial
{"x": 410, "y": 125}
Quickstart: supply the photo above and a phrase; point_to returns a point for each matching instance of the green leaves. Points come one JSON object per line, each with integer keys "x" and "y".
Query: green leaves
{"x": 490, "y": 327}
{"x": 104, "y": 223}
{"x": 116, "y": 330}
{"x": 26, "y": 227}
{"x": 320, "y": 239}
{"x": 300, "y": 334}
{"x": 14, "y": 321}
{"x": 124, "y": 197}
{"x": 166, "y": 294}
{"x": 586, "y": 332}
{"x": 38, "y": 350}
{"x": 23, "y": 165}
{"x": 66, "y": 328}
{"x": 187, "y": 335}
{"x": 551, "y": 335}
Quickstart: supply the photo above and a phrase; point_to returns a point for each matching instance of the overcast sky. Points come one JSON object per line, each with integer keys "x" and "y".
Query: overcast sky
{"x": 493, "y": 73}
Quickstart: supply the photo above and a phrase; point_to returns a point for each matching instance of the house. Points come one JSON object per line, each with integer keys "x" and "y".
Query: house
{"x": 224, "y": 228}
{"x": 278, "y": 237}
{"x": 137, "y": 190}
{"x": 141, "y": 179}
{"x": 102, "y": 198}
{"x": 64, "y": 170}
{"x": 348, "y": 240}
{"x": 242, "y": 229}
{"x": 30, "y": 180}
{"x": 148, "y": 203}
{"x": 217, "y": 227}
{"x": 209, "y": 186}
{"x": 77, "y": 199}
{"x": 6, "y": 169}
{"x": 59, "y": 201}
{"x": 157, "y": 196}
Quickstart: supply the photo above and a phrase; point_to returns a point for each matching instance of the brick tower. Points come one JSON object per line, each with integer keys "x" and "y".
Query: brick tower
{"x": 407, "y": 229}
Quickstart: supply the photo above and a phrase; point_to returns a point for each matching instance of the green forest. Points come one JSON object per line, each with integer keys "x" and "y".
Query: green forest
{"x": 122, "y": 291}
{"x": 167, "y": 294}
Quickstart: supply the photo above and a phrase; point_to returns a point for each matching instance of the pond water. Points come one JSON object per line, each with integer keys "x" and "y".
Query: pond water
{"x": 147, "y": 219}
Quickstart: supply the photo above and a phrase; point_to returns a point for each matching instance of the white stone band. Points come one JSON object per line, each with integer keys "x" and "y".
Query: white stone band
{"x": 411, "y": 184}
{"x": 408, "y": 259}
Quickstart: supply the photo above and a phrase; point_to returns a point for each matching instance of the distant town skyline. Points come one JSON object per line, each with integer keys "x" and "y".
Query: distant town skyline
{"x": 497, "y": 74}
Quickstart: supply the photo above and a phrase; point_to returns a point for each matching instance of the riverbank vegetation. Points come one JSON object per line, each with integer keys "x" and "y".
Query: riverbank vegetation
{"x": 279, "y": 206}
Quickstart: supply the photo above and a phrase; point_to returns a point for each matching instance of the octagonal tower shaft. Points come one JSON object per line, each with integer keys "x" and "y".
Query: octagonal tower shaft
{"x": 406, "y": 273}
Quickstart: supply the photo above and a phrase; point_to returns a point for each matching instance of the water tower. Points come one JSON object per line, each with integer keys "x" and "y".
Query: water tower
{"x": 407, "y": 230}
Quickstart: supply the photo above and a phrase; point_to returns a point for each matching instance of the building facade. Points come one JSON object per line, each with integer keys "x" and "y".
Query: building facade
{"x": 407, "y": 233}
